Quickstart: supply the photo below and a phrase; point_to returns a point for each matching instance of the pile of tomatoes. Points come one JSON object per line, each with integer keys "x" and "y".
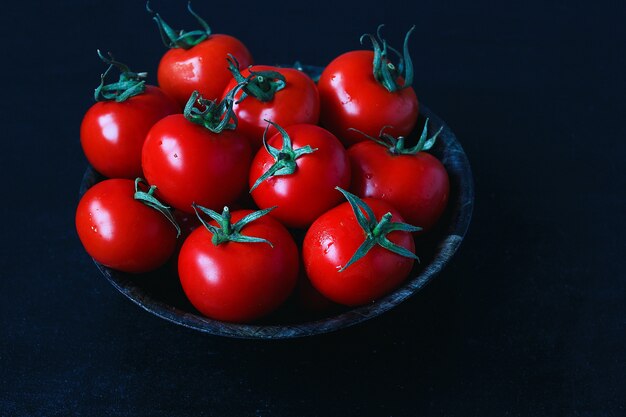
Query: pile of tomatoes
{"x": 257, "y": 181}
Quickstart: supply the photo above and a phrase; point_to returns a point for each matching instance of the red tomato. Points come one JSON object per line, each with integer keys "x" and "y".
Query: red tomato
{"x": 189, "y": 163}
{"x": 236, "y": 281}
{"x": 309, "y": 191}
{"x": 297, "y": 102}
{"x": 196, "y": 60}
{"x": 331, "y": 242}
{"x": 121, "y": 232}
{"x": 415, "y": 184}
{"x": 202, "y": 67}
{"x": 351, "y": 97}
{"x": 112, "y": 133}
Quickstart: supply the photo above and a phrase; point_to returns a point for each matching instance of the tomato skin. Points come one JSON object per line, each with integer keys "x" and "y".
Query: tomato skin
{"x": 112, "y": 133}
{"x": 239, "y": 282}
{"x": 350, "y": 97}
{"x": 310, "y": 191}
{"x": 121, "y": 232}
{"x": 417, "y": 185}
{"x": 298, "y": 102}
{"x": 188, "y": 163}
{"x": 203, "y": 67}
{"x": 332, "y": 240}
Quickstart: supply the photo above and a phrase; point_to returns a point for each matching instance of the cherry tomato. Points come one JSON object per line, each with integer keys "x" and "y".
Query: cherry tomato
{"x": 356, "y": 93}
{"x": 331, "y": 242}
{"x": 121, "y": 232}
{"x": 202, "y": 68}
{"x": 351, "y": 97}
{"x": 190, "y": 164}
{"x": 417, "y": 185}
{"x": 239, "y": 281}
{"x": 296, "y": 103}
{"x": 113, "y": 130}
{"x": 309, "y": 191}
{"x": 196, "y": 60}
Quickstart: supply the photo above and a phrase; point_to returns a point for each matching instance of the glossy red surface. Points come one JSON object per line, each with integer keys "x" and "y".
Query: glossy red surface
{"x": 190, "y": 164}
{"x": 350, "y": 97}
{"x": 202, "y": 67}
{"x": 112, "y": 133}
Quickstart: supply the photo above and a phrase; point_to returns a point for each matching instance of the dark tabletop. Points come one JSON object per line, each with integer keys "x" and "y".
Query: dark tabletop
{"x": 529, "y": 319}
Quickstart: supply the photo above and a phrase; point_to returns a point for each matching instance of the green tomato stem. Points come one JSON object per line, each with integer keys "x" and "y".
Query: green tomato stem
{"x": 285, "y": 158}
{"x": 375, "y": 232}
{"x": 148, "y": 198}
{"x": 226, "y": 231}
{"x": 129, "y": 84}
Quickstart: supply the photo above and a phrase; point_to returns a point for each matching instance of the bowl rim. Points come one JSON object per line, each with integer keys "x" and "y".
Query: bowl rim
{"x": 457, "y": 164}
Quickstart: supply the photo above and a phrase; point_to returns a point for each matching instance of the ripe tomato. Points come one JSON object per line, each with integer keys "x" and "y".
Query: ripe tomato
{"x": 332, "y": 242}
{"x": 189, "y": 163}
{"x": 113, "y": 130}
{"x": 295, "y": 102}
{"x": 412, "y": 181}
{"x": 239, "y": 281}
{"x": 311, "y": 163}
{"x": 121, "y": 232}
{"x": 196, "y": 61}
{"x": 353, "y": 96}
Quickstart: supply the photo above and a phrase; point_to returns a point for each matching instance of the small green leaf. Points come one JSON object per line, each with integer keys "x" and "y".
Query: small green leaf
{"x": 179, "y": 38}
{"x": 226, "y": 231}
{"x": 151, "y": 201}
{"x": 375, "y": 231}
{"x": 128, "y": 85}
{"x": 284, "y": 159}
{"x": 389, "y": 245}
{"x": 360, "y": 252}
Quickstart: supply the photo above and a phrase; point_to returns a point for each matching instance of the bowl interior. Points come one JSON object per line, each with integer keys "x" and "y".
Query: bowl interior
{"x": 160, "y": 293}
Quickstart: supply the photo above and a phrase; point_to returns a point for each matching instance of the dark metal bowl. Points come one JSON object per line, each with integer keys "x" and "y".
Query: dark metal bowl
{"x": 160, "y": 293}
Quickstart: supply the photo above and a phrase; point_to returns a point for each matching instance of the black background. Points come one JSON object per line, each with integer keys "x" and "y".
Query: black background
{"x": 529, "y": 318}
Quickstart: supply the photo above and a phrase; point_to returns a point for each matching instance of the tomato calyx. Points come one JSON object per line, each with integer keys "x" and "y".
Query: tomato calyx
{"x": 262, "y": 85}
{"x": 375, "y": 231}
{"x": 148, "y": 198}
{"x": 386, "y": 72}
{"x": 129, "y": 84}
{"x": 179, "y": 38}
{"x": 215, "y": 116}
{"x": 397, "y": 146}
{"x": 285, "y": 158}
{"x": 228, "y": 232}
